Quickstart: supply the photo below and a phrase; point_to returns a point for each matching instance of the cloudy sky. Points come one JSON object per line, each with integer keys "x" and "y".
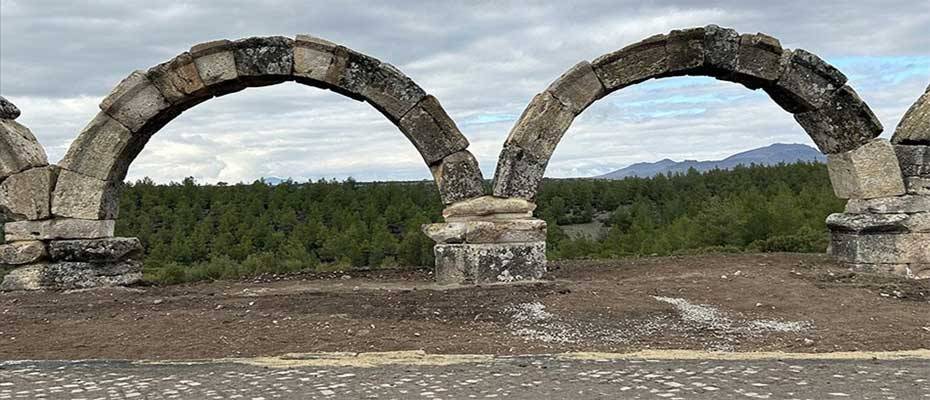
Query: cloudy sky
{"x": 484, "y": 60}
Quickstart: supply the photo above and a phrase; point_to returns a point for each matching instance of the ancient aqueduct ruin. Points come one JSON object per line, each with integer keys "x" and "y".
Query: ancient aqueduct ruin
{"x": 60, "y": 218}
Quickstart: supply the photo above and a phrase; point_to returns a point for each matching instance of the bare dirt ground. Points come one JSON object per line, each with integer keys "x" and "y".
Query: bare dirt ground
{"x": 770, "y": 302}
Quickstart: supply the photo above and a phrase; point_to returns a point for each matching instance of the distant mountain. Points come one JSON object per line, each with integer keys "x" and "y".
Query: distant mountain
{"x": 770, "y": 155}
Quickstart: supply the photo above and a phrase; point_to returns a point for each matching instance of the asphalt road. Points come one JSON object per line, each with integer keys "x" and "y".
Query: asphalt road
{"x": 527, "y": 377}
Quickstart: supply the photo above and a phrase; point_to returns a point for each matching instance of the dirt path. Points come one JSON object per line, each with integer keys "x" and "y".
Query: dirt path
{"x": 773, "y": 302}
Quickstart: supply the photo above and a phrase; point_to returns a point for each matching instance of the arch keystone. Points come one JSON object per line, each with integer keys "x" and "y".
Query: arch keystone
{"x": 685, "y": 50}
{"x": 313, "y": 59}
{"x": 264, "y": 60}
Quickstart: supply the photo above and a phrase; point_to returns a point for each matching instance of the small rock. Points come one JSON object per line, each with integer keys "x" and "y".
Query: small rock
{"x": 345, "y": 277}
{"x": 808, "y": 341}
{"x": 159, "y": 301}
{"x": 758, "y": 304}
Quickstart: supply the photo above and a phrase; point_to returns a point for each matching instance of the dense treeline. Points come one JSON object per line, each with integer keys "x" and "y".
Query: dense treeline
{"x": 194, "y": 232}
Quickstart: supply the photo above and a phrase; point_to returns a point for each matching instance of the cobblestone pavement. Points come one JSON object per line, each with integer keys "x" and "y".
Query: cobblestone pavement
{"x": 528, "y": 377}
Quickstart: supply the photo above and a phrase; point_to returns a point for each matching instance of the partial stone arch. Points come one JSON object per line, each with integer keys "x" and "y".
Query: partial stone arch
{"x": 144, "y": 102}
{"x": 815, "y": 92}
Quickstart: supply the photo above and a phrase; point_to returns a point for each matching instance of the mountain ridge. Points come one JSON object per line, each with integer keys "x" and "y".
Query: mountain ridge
{"x": 777, "y": 153}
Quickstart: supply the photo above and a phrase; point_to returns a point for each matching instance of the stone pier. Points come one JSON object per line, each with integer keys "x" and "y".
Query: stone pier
{"x": 40, "y": 249}
{"x": 886, "y": 226}
{"x": 489, "y": 240}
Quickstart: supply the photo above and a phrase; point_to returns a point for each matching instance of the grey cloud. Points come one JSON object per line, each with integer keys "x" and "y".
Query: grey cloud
{"x": 481, "y": 59}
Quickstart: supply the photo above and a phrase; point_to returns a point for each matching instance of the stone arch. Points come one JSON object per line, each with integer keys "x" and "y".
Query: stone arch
{"x": 146, "y": 101}
{"x": 838, "y": 121}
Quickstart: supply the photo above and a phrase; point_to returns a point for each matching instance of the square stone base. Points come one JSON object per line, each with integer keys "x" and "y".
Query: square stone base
{"x": 489, "y": 262}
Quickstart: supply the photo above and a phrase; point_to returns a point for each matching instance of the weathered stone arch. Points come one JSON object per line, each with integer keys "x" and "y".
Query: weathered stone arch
{"x": 831, "y": 112}
{"x": 144, "y": 102}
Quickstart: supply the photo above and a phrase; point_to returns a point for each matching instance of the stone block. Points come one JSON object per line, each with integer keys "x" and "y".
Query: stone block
{"x": 313, "y": 58}
{"x": 917, "y": 185}
{"x": 905, "y": 248}
{"x": 505, "y": 231}
{"x": 432, "y": 131}
{"x": 489, "y": 263}
{"x": 18, "y": 253}
{"x": 914, "y": 127}
{"x": 8, "y": 110}
{"x": 890, "y": 205}
{"x": 541, "y": 126}
{"x": 264, "y": 60}
{"x": 807, "y": 83}
{"x": 458, "y": 177}
{"x": 760, "y": 62}
{"x": 633, "y": 64}
{"x": 53, "y": 229}
{"x": 84, "y": 197}
{"x": 685, "y": 49}
{"x": 27, "y": 195}
{"x": 487, "y": 206}
{"x": 135, "y": 102}
{"x": 72, "y": 275}
{"x": 844, "y": 123}
{"x": 867, "y": 172}
{"x": 879, "y": 223}
{"x": 95, "y": 250}
{"x": 381, "y": 84}
{"x": 914, "y": 160}
{"x": 484, "y": 231}
{"x": 578, "y": 88}
{"x": 19, "y": 149}
{"x": 721, "y": 50}
{"x": 179, "y": 81}
{"x": 519, "y": 173}
{"x": 216, "y": 64}
{"x": 98, "y": 149}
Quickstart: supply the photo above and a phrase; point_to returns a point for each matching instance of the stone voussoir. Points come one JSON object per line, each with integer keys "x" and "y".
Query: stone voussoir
{"x": 264, "y": 60}
{"x": 760, "y": 63}
{"x": 490, "y": 263}
{"x": 60, "y": 228}
{"x": 85, "y": 197}
{"x": 578, "y": 88}
{"x": 519, "y": 173}
{"x": 98, "y": 150}
{"x": 432, "y": 131}
{"x": 27, "y": 195}
{"x": 808, "y": 82}
{"x": 871, "y": 171}
{"x": 313, "y": 59}
{"x": 381, "y": 84}
{"x": 458, "y": 177}
{"x": 135, "y": 101}
{"x": 844, "y": 123}
{"x": 914, "y": 127}
{"x": 721, "y": 50}
{"x": 633, "y": 64}
{"x": 19, "y": 149}
{"x": 179, "y": 81}
{"x": 216, "y": 64}
{"x": 685, "y": 49}
{"x": 18, "y": 253}
{"x": 541, "y": 126}
{"x": 95, "y": 250}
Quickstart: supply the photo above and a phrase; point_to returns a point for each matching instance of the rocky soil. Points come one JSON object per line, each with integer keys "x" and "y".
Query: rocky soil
{"x": 771, "y": 302}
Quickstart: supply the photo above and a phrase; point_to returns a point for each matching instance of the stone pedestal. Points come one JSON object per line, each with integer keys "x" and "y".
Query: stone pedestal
{"x": 489, "y": 240}
{"x": 892, "y": 233}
